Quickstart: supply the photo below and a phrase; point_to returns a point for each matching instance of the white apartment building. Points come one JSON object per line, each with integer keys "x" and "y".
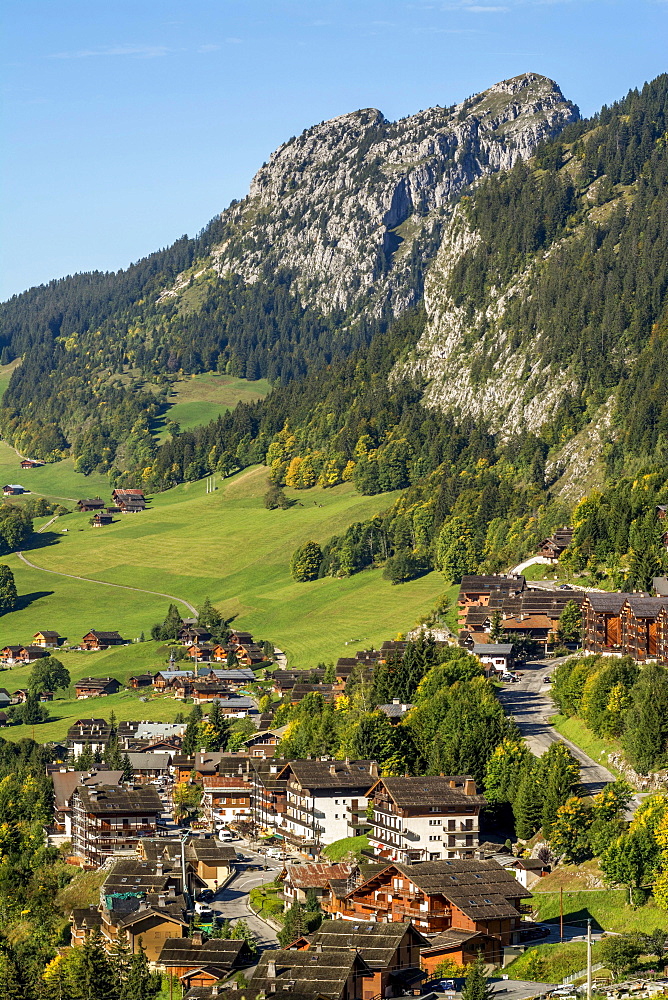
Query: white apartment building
{"x": 425, "y": 819}
{"x": 326, "y": 800}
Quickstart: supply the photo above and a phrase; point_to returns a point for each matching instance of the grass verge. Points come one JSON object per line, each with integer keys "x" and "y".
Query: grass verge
{"x": 340, "y": 849}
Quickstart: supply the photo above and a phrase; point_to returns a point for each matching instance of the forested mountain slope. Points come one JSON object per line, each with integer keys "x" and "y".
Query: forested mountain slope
{"x": 331, "y": 243}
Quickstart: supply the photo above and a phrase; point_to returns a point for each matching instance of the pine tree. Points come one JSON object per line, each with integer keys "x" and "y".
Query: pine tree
{"x": 139, "y": 982}
{"x": 528, "y": 805}
{"x": 476, "y": 986}
{"x": 209, "y": 617}
{"x": 128, "y": 773}
{"x": 94, "y": 974}
{"x": 496, "y": 626}
{"x": 119, "y": 956}
{"x": 191, "y": 736}
{"x": 220, "y": 727}
{"x": 85, "y": 761}
{"x": 570, "y": 623}
{"x": 172, "y": 624}
{"x": 8, "y": 594}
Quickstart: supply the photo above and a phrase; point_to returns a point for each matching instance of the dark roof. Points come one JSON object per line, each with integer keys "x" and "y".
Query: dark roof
{"x": 480, "y": 889}
{"x": 334, "y": 773}
{"x": 375, "y": 942}
{"x": 437, "y": 791}
{"x": 482, "y": 583}
{"x": 111, "y": 799}
{"x": 48, "y": 635}
{"x": 325, "y": 971}
{"x": 96, "y": 682}
{"x": 606, "y": 603}
{"x": 87, "y": 918}
{"x": 492, "y": 649}
{"x": 394, "y": 711}
{"x": 103, "y": 635}
{"x": 646, "y": 607}
{"x": 217, "y": 951}
{"x": 64, "y": 783}
{"x": 452, "y": 938}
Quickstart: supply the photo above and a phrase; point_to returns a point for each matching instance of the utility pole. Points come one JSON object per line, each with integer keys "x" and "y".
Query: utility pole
{"x": 589, "y": 959}
{"x": 561, "y": 914}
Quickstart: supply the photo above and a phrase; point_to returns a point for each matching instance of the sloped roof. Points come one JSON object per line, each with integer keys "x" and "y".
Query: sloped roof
{"x": 112, "y": 799}
{"x": 334, "y": 773}
{"x": 375, "y": 942}
{"x": 216, "y": 951}
{"x": 325, "y": 971}
{"x": 436, "y": 790}
{"x": 315, "y": 876}
{"x": 607, "y": 603}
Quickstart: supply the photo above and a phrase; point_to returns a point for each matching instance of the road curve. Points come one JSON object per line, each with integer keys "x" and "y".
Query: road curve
{"x": 103, "y": 583}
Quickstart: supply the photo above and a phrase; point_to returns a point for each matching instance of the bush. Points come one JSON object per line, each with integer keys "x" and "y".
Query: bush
{"x": 305, "y": 564}
{"x": 402, "y": 567}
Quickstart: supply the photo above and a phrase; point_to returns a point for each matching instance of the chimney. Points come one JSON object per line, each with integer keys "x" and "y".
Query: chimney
{"x": 453, "y": 784}
{"x": 395, "y": 701}
{"x": 271, "y": 968}
{"x": 158, "y": 868}
{"x": 469, "y": 787}
{"x": 161, "y": 899}
{"x": 197, "y": 939}
{"x": 332, "y": 768}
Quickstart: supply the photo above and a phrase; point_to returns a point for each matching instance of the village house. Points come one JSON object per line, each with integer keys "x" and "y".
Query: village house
{"x": 326, "y": 799}
{"x": 166, "y": 678}
{"x": 527, "y": 871}
{"x": 191, "y": 634}
{"x": 269, "y": 792}
{"x": 477, "y": 590}
{"x": 230, "y": 763}
{"x": 209, "y": 863}
{"x": 149, "y": 766}
{"x": 30, "y": 463}
{"x": 12, "y": 655}
{"x": 107, "y": 819}
{"x": 496, "y": 657}
{"x": 462, "y": 948}
{"x": 264, "y": 743}
{"x": 64, "y": 783}
{"x": 328, "y": 692}
{"x": 249, "y": 654}
{"x": 391, "y": 953}
{"x": 118, "y": 495}
{"x": 199, "y": 961}
{"x": 395, "y": 711}
{"x": 240, "y": 638}
{"x": 225, "y": 800}
{"x": 283, "y": 681}
{"x": 101, "y": 640}
{"x": 90, "y": 504}
{"x": 234, "y": 677}
{"x": 5, "y": 698}
{"x": 100, "y": 519}
{"x": 335, "y": 974}
{"x": 133, "y": 732}
{"x": 233, "y": 705}
{"x": 132, "y": 506}
{"x": 13, "y": 490}
{"x": 140, "y": 681}
{"x": 92, "y": 733}
{"x": 425, "y": 818}
{"x": 465, "y": 895}
{"x": 640, "y": 627}
{"x": 201, "y": 651}
{"x": 602, "y": 622}
{"x": 4, "y": 720}
{"x": 300, "y": 880}
{"x": 551, "y": 548}
{"x": 49, "y": 640}
{"x": 96, "y": 687}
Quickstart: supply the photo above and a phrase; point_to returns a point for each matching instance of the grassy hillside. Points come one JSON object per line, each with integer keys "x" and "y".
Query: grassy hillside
{"x": 225, "y": 545}
{"x": 198, "y": 399}
{"x": 58, "y": 481}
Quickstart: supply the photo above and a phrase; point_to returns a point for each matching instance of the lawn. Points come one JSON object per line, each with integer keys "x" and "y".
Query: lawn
{"x": 226, "y": 546}
{"x": 551, "y": 962}
{"x": 340, "y": 849}
{"x": 198, "y": 399}
{"x": 595, "y": 747}
{"x": 57, "y": 481}
{"x": 608, "y": 908}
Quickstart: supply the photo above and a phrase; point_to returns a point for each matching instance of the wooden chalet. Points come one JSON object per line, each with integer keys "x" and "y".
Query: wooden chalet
{"x": 240, "y": 638}
{"x": 640, "y": 627}
{"x": 336, "y": 974}
{"x": 391, "y": 953}
{"x": 283, "y": 681}
{"x": 198, "y": 961}
{"x": 90, "y": 504}
{"x": 107, "y": 819}
{"x": 101, "y": 640}
{"x": 225, "y": 799}
{"x": 461, "y": 947}
{"x": 101, "y": 519}
{"x": 201, "y": 651}
{"x": 552, "y": 547}
{"x": 140, "y": 681}
{"x": 269, "y": 799}
{"x": 466, "y": 895}
{"x": 21, "y": 654}
{"x": 299, "y": 692}
{"x": 168, "y": 678}
{"x": 316, "y": 879}
{"x": 93, "y": 733}
{"x": 602, "y": 622}
{"x": 191, "y": 634}
{"x": 477, "y": 590}
{"x": 13, "y": 490}
{"x": 30, "y": 463}
{"x": 49, "y": 640}
{"x": 95, "y": 687}
{"x": 122, "y": 494}
{"x": 249, "y": 653}
{"x": 264, "y": 743}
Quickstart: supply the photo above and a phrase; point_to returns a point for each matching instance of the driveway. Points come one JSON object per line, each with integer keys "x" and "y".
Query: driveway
{"x": 529, "y": 703}
{"x": 232, "y": 901}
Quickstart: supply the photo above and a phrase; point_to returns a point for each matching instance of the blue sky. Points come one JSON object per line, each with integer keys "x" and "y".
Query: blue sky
{"x": 131, "y": 122}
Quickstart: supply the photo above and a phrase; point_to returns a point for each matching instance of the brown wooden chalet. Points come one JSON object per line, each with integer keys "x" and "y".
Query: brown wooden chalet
{"x": 391, "y": 953}
{"x": 269, "y": 799}
{"x": 462, "y": 948}
{"x": 13, "y": 490}
{"x": 471, "y": 895}
{"x": 249, "y": 654}
{"x": 283, "y": 681}
{"x": 191, "y": 634}
{"x": 239, "y": 638}
{"x": 101, "y": 640}
{"x": 95, "y": 687}
{"x": 101, "y": 519}
{"x": 106, "y": 819}
{"x": 30, "y": 463}
{"x": 334, "y": 973}
{"x": 640, "y": 627}
{"x": 201, "y": 651}
{"x": 315, "y": 878}
{"x": 133, "y": 505}
{"x": 477, "y": 590}
{"x": 141, "y": 681}
{"x": 552, "y": 547}
{"x": 602, "y": 622}
{"x": 299, "y": 692}
{"x": 22, "y": 654}
{"x": 264, "y": 743}
{"x": 90, "y": 504}
{"x": 122, "y": 494}
{"x": 198, "y": 961}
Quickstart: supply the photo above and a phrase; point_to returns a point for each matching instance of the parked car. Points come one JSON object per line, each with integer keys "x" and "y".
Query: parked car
{"x": 203, "y": 909}
{"x": 547, "y": 679}
{"x": 205, "y": 896}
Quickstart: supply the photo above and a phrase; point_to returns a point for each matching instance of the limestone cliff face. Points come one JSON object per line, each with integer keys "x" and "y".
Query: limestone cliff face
{"x": 354, "y": 206}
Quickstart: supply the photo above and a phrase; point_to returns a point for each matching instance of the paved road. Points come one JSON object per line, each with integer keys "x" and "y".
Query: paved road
{"x": 530, "y": 704}
{"x": 232, "y": 901}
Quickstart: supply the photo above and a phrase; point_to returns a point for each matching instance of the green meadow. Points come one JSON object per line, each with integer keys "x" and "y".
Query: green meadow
{"x": 198, "y": 399}
{"x": 58, "y": 481}
{"x": 223, "y": 545}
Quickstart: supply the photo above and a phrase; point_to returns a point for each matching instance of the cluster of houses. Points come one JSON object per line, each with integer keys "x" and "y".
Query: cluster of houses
{"x": 43, "y": 642}
{"x": 385, "y": 930}
{"x": 613, "y": 624}
{"x": 123, "y": 502}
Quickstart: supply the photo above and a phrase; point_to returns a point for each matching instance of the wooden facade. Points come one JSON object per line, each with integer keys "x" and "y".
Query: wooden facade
{"x": 101, "y": 640}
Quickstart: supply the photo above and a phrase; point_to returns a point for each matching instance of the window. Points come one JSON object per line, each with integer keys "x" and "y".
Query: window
{"x": 434, "y": 822}
{"x": 434, "y": 836}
